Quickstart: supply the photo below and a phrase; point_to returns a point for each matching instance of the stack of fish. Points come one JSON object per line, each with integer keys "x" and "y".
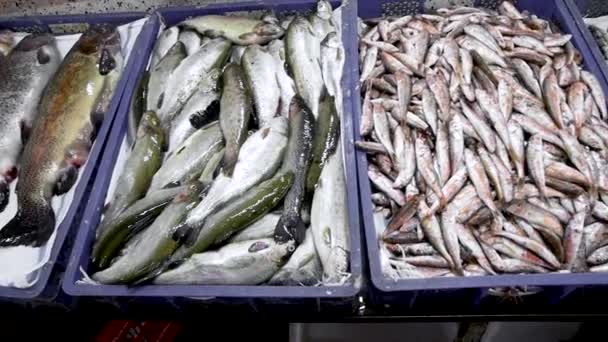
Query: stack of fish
{"x": 49, "y": 112}
{"x": 241, "y": 137}
{"x": 487, "y": 145}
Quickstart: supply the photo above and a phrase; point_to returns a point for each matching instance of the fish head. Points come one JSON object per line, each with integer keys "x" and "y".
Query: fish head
{"x": 269, "y": 29}
{"x": 332, "y": 40}
{"x": 96, "y": 37}
{"x": 150, "y": 124}
{"x": 324, "y": 10}
{"x": 34, "y": 41}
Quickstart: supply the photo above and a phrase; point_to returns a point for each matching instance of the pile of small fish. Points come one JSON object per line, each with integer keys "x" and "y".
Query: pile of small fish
{"x": 49, "y": 112}
{"x": 241, "y": 138}
{"x": 487, "y": 145}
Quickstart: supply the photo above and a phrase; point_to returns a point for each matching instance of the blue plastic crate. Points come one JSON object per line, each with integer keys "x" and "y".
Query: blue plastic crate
{"x": 44, "y": 288}
{"x": 254, "y": 297}
{"x": 464, "y": 294}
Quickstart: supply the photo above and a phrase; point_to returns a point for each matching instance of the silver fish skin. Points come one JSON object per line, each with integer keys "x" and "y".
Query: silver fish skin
{"x": 207, "y": 176}
{"x": 438, "y": 86}
{"x": 576, "y": 101}
{"x": 385, "y": 185}
{"x": 286, "y": 84}
{"x": 329, "y": 220}
{"x": 259, "y": 68}
{"x": 160, "y": 72}
{"x": 382, "y": 129}
{"x": 533, "y": 127}
{"x": 332, "y": 64}
{"x": 200, "y": 109}
{"x": 456, "y": 142}
{"x": 573, "y": 243}
{"x": 303, "y": 57}
{"x": 188, "y": 160}
{"x": 576, "y": 154}
{"x": 442, "y": 153}
{"x": 295, "y": 272}
{"x": 551, "y": 92}
{"x": 516, "y": 135}
{"x": 263, "y": 228}
{"x": 491, "y": 171}
{"x": 490, "y": 56}
{"x": 429, "y": 109}
{"x": 527, "y": 76}
{"x": 235, "y": 113}
{"x": 242, "y": 263}
{"x": 505, "y": 99}
{"x": 490, "y": 107}
{"x": 25, "y": 73}
{"x": 432, "y": 230}
{"x": 188, "y": 75}
{"x": 368, "y": 63}
{"x": 481, "y": 34}
{"x": 260, "y": 156}
{"x": 191, "y": 40}
{"x": 163, "y": 44}
{"x": 536, "y": 216}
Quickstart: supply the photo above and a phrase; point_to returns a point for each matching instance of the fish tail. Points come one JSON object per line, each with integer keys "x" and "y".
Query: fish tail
{"x": 229, "y": 161}
{"x": 290, "y": 227}
{"x": 29, "y": 227}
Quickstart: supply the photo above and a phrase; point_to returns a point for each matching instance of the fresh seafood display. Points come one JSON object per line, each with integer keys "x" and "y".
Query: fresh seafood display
{"x": 51, "y": 110}
{"x": 487, "y": 145}
{"x": 236, "y": 174}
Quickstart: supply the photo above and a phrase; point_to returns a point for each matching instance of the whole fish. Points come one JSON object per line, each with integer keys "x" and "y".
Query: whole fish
{"x": 138, "y": 215}
{"x": 324, "y": 141}
{"x": 302, "y": 268}
{"x": 187, "y": 162}
{"x": 159, "y": 73}
{"x": 259, "y": 68}
{"x": 406, "y": 158}
{"x": 296, "y": 160}
{"x": 154, "y": 245}
{"x": 186, "y": 77}
{"x": 239, "y": 30}
{"x": 332, "y": 63}
{"x": 25, "y": 73}
{"x": 536, "y": 165}
{"x": 329, "y": 220}
{"x": 240, "y": 263}
{"x": 235, "y": 111}
{"x": 137, "y": 107}
{"x": 50, "y": 160}
{"x": 301, "y": 47}
{"x": 141, "y": 165}
{"x": 234, "y": 217}
{"x": 260, "y": 156}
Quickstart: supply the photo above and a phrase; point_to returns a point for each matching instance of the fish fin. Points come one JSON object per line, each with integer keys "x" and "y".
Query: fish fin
{"x": 290, "y": 227}
{"x": 4, "y": 195}
{"x": 29, "y": 229}
{"x": 161, "y": 98}
{"x": 229, "y": 162}
{"x": 25, "y": 131}
{"x": 107, "y": 63}
{"x": 67, "y": 178}
{"x": 43, "y": 56}
{"x": 203, "y": 117}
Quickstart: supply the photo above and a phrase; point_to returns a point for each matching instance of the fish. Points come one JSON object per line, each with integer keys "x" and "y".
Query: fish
{"x": 259, "y": 69}
{"x": 191, "y": 41}
{"x": 50, "y": 161}
{"x": 405, "y": 158}
{"x": 329, "y": 220}
{"x": 260, "y": 229}
{"x": 159, "y": 73}
{"x": 238, "y": 30}
{"x": 297, "y": 160}
{"x": 303, "y": 267}
{"x": 235, "y": 112}
{"x": 7, "y": 42}
{"x": 324, "y": 141}
{"x": 232, "y": 218}
{"x": 200, "y": 109}
{"x": 141, "y": 165}
{"x": 154, "y": 245}
{"x": 184, "y": 80}
{"x": 286, "y": 84}
{"x": 187, "y": 161}
{"x": 241, "y": 263}
{"x": 137, "y": 107}
{"x": 536, "y": 166}
{"x": 332, "y": 64}
{"x": 25, "y": 72}
{"x": 260, "y": 157}
{"x": 109, "y": 241}
{"x": 166, "y": 40}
